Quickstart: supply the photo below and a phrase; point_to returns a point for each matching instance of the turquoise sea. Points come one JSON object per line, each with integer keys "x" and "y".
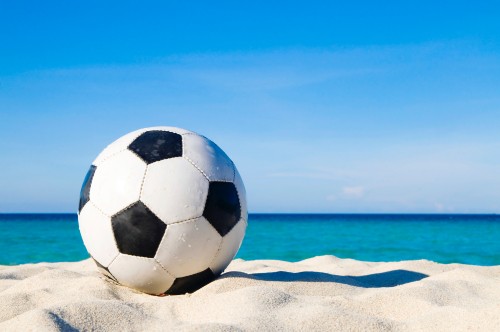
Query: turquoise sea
{"x": 470, "y": 239}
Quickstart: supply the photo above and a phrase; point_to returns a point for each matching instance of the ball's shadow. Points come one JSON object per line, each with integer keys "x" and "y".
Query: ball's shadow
{"x": 384, "y": 279}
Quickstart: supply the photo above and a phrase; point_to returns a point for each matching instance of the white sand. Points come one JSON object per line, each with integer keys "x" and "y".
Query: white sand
{"x": 318, "y": 294}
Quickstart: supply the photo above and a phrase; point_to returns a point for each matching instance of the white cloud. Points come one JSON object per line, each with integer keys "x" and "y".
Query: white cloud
{"x": 440, "y": 207}
{"x": 353, "y": 192}
{"x": 306, "y": 175}
{"x": 347, "y": 193}
{"x": 331, "y": 198}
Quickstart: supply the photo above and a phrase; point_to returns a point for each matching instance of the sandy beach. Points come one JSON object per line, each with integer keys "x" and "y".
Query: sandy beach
{"x": 318, "y": 294}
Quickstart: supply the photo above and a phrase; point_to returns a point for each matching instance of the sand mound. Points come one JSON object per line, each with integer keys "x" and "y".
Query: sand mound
{"x": 318, "y": 294}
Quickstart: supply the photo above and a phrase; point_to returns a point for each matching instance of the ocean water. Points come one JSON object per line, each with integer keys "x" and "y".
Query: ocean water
{"x": 470, "y": 239}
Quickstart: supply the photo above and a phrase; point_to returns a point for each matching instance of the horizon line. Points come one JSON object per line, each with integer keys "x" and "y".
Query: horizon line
{"x": 310, "y": 213}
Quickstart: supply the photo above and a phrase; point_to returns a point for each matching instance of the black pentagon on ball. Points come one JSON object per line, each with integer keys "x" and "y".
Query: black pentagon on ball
{"x": 156, "y": 145}
{"x": 192, "y": 283}
{"x": 137, "y": 230}
{"x": 85, "y": 191}
{"x": 222, "y": 209}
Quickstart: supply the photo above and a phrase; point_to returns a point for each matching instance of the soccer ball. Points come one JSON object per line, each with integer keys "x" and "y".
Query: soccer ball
{"x": 162, "y": 210}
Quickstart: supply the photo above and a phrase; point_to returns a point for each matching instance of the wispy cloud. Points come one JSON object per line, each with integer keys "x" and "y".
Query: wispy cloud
{"x": 353, "y": 192}
{"x": 305, "y": 175}
{"x": 442, "y": 208}
{"x": 322, "y": 173}
{"x": 347, "y": 193}
{"x": 264, "y": 70}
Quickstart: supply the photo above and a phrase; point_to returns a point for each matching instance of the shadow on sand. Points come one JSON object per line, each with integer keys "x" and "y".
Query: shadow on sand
{"x": 376, "y": 280}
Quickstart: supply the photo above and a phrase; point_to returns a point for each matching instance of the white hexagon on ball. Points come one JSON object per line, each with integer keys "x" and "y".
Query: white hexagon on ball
{"x": 117, "y": 182}
{"x": 174, "y": 198}
{"x": 162, "y": 210}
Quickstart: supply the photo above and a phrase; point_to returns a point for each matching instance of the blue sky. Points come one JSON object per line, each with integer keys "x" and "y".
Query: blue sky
{"x": 323, "y": 106}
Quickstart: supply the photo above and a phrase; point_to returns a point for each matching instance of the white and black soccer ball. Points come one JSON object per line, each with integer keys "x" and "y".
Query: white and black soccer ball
{"x": 162, "y": 210}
